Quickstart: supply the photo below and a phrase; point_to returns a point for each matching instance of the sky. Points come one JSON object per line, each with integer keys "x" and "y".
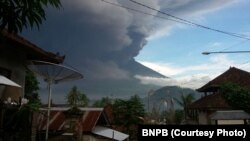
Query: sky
{"x": 177, "y": 52}
{"x": 106, "y": 41}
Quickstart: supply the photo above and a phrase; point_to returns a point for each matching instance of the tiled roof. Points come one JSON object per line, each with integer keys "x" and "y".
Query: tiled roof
{"x": 213, "y": 101}
{"x": 33, "y": 51}
{"x": 233, "y": 75}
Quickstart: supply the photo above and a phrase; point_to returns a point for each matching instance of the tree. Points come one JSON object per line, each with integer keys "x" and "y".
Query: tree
{"x": 103, "y": 102}
{"x": 16, "y": 14}
{"x": 76, "y": 98}
{"x": 128, "y": 113}
{"x": 185, "y": 101}
{"x": 236, "y": 96}
{"x": 31, "y": 91}
{"x": 31, "y": 86}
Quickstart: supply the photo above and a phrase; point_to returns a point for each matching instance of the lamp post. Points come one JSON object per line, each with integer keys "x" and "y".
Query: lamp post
{"x": 207, "y": 53}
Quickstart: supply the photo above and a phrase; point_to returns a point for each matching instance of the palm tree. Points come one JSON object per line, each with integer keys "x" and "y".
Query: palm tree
{"x": 185, "y": 101}
{"x": 17, "y": 14}
{"x": 76, "y": 98}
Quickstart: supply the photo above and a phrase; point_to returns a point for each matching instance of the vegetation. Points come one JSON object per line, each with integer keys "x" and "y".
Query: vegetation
{"x": 185, "y": 101}
{"x": 17, "y": 14}
{"x": 31, "y": 90}
{"x": 76, "y": 98}
{"x": 17, "y": 123}
{"x": 236, "y": 96}
{"x": 128, "y": 114}
{"x": 103, "y": 102}
{"x": 179, "y": 115}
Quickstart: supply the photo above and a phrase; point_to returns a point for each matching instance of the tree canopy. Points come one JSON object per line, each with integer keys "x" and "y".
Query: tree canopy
{"x": 76, "y": 98}
{"x": 31, "y": 91}
{"x": 17, "y": 14}
{"x": 102, "y": 102}
{"x": 236, "y": 96}
{"x": 128, "y": 113}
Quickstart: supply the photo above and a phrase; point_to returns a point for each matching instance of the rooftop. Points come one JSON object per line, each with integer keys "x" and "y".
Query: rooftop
{"x": 33, "y": 52}
{"x": 233, "y": 75}
{"x": 213, "y": 101}
{"x": 230, "y": 115}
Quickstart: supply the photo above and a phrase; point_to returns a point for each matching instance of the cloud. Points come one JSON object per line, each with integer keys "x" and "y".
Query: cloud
{"x": 186, "y": 9}
{"x": 95, "y": 30}
{"x": 101, "y": 70}
{"x": 101, "y": 40}
{"x": 193, "y": 76}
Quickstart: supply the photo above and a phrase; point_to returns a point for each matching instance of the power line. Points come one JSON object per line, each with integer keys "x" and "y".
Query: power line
{"x": 242, "y": 42}
{"x": 142, "y": 12}
{"x": 194, "y": 24}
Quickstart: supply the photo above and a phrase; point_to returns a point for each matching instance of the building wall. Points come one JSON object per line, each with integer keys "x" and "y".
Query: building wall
{"x": 14, "y": 61}
{"x": 89, "y": 138}
{"x": 202, "y": 116}
{"x": 229, "y": 122}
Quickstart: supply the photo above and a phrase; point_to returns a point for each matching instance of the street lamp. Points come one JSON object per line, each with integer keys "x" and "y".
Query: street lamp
{"x": 207, "y": 53}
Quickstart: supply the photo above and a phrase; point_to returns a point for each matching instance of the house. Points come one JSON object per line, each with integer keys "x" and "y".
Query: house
{"x": 230, "y": 117}
{"x": 15, "y": 51}
{"x": 86, "y": 124}
{"x": 208, "y": 108}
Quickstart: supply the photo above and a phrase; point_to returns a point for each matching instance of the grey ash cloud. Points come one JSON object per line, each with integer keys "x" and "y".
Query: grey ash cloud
{"x": 101, "y": 41}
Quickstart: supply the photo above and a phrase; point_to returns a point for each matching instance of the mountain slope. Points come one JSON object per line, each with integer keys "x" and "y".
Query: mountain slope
{"x": 168, "y": 93}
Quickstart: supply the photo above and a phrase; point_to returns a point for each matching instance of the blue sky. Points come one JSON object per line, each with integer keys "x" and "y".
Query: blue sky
{"x": 177, "y": 54}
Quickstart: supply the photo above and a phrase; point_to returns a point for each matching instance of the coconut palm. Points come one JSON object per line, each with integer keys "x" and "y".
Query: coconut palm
{"x": 16, "y": 14}
{"x": 185, "y": 101}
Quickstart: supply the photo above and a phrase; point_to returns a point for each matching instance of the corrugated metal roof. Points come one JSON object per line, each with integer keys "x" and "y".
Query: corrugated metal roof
{"x": 67, "y": 108}
{"x": 89, "y": 117}
{"x": 109, "y": 133}
{"x": 89, "y": 120}
{"x": 230, "y": 115}
{"x": 57, "y": 119}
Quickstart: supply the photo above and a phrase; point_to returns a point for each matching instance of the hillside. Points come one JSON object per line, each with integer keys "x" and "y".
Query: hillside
{"x": 168, "y": 93}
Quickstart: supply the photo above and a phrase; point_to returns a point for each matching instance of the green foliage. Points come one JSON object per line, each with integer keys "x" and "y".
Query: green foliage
{"x": 103, "y": 102}
{"x": 179, "y": 115}
{"x": 31, "y": 86}
{"x": 236, "y": 96}
{"x": 16, "y": 14}
{"x": 31, "y": 91}
{"x": 17, "y": 123}
{"x": 185, "y": 101}
{"x": 128, "y": 113}
{"x": 76, "y": 98}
